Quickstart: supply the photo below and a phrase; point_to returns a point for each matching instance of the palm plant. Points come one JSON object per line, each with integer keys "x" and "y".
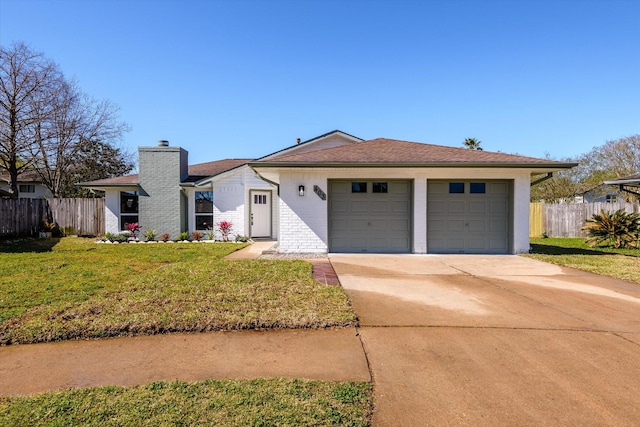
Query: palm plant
{"x": 618, "y": 229}
{"x": 472, "y": 144}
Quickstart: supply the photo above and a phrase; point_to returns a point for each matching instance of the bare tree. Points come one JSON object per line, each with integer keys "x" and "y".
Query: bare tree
{"x": 45, "y": 120}
{"x": 26, "y": 82}
{"x": 472, "y": 144}
{"x": 76, "y": 121}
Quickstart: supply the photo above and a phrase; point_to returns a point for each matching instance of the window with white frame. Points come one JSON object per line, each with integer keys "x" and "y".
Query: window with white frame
{"x": 204, "y": 210}
{"x": 128, "y": 208}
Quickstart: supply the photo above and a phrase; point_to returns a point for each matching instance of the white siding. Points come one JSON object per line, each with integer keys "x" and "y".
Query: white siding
{"x": 231, "y": 200}
{"x": 112, "y": 211}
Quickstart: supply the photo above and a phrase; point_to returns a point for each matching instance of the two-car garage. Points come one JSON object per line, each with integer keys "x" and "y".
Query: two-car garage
{"x": 463, "y": 216}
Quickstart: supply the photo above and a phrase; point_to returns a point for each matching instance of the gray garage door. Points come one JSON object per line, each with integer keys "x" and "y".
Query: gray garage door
{"x": 370, "y": 216}
{"x": 468, "y": 217}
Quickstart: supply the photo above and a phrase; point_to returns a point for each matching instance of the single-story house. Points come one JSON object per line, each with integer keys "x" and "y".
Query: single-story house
{"x": 628, "y": 184}
{"x": 30, "y": 185}
{"x": 338, "y": 193}
{"x": 600, "y": 194}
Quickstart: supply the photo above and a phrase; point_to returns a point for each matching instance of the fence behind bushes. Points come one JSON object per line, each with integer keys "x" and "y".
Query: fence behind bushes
{"x": 566, "y": 219}
{"x": 24, "y": 217}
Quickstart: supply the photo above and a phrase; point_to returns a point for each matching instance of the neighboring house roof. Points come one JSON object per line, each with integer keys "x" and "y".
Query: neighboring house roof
{"x": 389, "y": 152}
{"x": 29, "y": 176}
{"x": 196, "y": 172}
{"x": 631, "y": 181}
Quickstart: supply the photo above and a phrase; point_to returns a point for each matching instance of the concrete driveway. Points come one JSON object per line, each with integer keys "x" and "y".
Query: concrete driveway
{"x": 495, "y": 340}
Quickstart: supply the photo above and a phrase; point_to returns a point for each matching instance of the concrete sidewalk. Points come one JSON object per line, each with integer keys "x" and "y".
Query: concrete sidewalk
{"x": 332, "y": 355}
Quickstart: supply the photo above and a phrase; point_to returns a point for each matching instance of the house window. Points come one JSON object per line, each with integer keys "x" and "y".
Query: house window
{"x": 27, "y": 188}
{"x": 128, "y": 208}
{"x": 379, "y": 187}
{"x": 358, "y": 187}
{"x": 478, "y": 188}
{"x": 612, "y": 198}
{"x": 456, "y": 187}
{"x": 204, "y": 210}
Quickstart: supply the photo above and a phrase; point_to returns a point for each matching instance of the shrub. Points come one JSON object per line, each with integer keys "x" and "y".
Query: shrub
{"x": 183, "y": 236}
{"x": 120, "y": 238}
{"x": 197, "y": 235}
{"x": 225, "y": 227}
{"x": 618, "y": 229}
{"x": 211, "y": 234}
{"x": 150, "y": 234}
{"x": 109, "y": 236}
{"x": 165, "y": 236}
{"x": 242, "y": 239}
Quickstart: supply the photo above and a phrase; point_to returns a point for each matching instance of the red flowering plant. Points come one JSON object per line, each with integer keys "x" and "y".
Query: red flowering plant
{"x": 224, "y": 227}
{"x": 133, "y": 228}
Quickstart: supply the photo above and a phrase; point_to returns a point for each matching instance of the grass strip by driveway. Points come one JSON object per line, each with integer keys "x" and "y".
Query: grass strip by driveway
{"x": 574, "y": 252}
{"x": 221, "y": 403}
{"x": 79, "y": 289}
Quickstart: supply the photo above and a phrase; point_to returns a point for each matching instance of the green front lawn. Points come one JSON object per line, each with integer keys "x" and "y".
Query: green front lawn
{"x": 574, "y": 252}
{"x": 215, "y": 403}
{"x": 70, "y": 288}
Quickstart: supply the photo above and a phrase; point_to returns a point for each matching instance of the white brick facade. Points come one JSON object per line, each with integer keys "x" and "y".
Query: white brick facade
{"x": 304, "y": 220}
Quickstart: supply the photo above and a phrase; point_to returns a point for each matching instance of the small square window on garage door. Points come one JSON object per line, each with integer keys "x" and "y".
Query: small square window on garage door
{"x": 358, "y": 187}
{"x": 477, "y": 188}
{"x": 456, "y": 187}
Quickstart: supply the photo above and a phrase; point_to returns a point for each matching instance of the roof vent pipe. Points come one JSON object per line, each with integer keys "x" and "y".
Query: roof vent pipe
{"x": 297, "y": 140}
{"x": 163, "y": 143}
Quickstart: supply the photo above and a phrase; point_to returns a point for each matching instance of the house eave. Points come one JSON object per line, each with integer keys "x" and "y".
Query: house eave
{"x": 535, "y": 167}
{"x": 106, "y": 187}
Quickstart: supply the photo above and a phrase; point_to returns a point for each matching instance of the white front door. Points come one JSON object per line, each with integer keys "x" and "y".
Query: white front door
{"x": 261, "y": 214}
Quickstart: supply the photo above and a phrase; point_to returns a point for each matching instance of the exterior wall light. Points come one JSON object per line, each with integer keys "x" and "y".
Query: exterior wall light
{"x": 301, "y": 190}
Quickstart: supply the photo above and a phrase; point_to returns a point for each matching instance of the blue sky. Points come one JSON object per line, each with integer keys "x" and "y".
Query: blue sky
{"x": 246, "y": 78}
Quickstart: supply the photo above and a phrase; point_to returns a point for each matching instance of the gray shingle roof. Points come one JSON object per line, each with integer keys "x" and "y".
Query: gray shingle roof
{"x": 383, "y": 151}
{"x": 196, "y": 173}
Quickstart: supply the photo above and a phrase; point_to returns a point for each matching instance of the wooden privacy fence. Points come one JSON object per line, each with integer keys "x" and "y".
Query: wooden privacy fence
{"x": 567, "y": 219}
{"x": 23, "y": 217}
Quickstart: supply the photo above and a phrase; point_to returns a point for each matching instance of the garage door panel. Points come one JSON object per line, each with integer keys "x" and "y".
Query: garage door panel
{"x": 477, "y": 226}
{"x": 465, "y": 222}
{"x": 438, "y": 188}
{"x": 455, "y": 225}
{"x": 400, "y": 187}
{"x": 478, "y": 243}
{"x": 399, "y": 244}
{"x": 401, "y": 207}
{"x": 499, "y": 188}
{"x": 400, "y": 225}
{"x": 358, "y": 244}
{"x": 499, "y": 207}
{"x": 340, "y": 187}
{"x": 376, "y": 222}
{"x": 358, "y": 225}
{"x": 456, "y": 207}
{"x": 380, "y": 207}
{"x": 435, "y": 206}
{"x": 339, "y": 206}
{"x": 340, "y": 224}
{"x": 498, "y": 226}
{"x": 378, "y": 225}
{"x": 359, "y": 206}
{"x": 478, "y": 207}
